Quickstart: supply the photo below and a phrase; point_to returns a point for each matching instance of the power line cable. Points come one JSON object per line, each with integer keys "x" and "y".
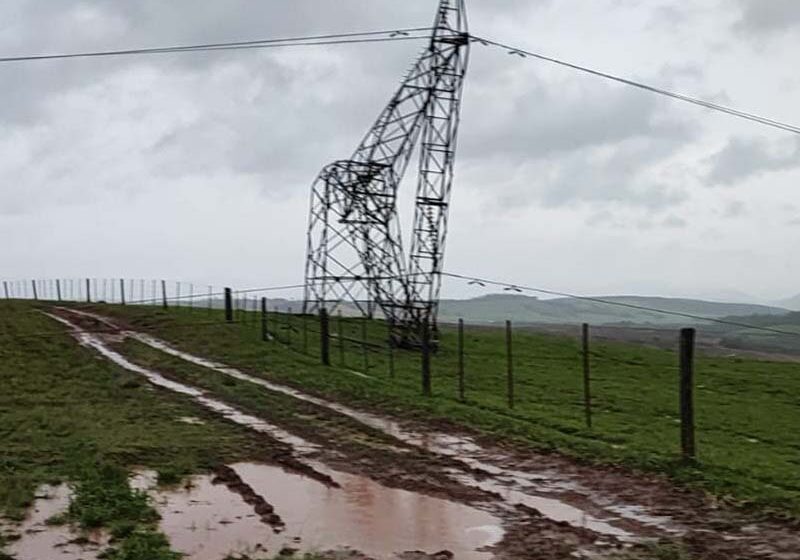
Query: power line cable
{"x": 392, "y": 35}
{"x": 653, "y": 89}
{"x": 521, "y": 288}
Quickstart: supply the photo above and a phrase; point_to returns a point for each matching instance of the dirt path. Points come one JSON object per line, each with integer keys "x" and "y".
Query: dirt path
{"x": 550, "y": 506}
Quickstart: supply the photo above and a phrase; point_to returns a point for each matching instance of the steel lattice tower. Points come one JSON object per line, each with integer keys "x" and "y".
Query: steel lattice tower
{"x": 355, "y": 248}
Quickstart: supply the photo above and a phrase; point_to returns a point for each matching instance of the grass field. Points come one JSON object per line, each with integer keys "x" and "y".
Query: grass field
{"x": 66, "y": 415}
{"x": 747, "y": 411}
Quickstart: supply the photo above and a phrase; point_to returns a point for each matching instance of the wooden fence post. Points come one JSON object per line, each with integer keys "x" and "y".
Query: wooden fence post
{"x": 587, "y": 379}
{"x": 305, "y": 332}
{"x": 426, "y": 359}
{"x": 461, "y": 388}
{"x": 164, "y": 294}
{"x": 289, "y": 326}
{"x": 5, "y": 289}
{"x": 509, "y": 366}
{"x": 340, "y": 332}
{"x": 324, "y": 337}
{"x": 122, "y": 291}
{"x": 390, "y": 346}
{"x": 58, "y": 289}
{"x": 687, "y": 393}
{"x": 264, "y": 324}
{"x": 228, "y": 305}
{"x": 364, "y": 348}
{"x": 35, "y": 293}
{"x": 88, "y": 291}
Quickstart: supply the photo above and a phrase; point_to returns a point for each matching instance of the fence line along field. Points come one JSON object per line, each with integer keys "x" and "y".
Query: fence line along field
{"x": 114, "y": 422}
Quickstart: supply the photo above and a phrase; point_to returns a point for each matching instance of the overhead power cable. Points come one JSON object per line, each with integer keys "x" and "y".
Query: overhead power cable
{"x": 391, "y": 35}
{"x": 653, "y": 89}
{"x": 519, "y": 288}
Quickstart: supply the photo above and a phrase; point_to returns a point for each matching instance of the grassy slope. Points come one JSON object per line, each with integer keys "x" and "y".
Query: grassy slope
{"x": 747, "y": 411}
{"x": 59, "y": 403}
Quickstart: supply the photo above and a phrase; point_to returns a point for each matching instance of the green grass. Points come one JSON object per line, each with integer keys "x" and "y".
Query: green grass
{"x": 60, "y": 401}
{"x": 747, "y": 411}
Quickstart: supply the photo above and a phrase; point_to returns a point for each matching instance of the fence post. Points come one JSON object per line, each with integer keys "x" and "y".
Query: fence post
{"x": 228, "y": 305}
{"x": 364, "y": 349}
{"x": 264, "y": 325}
{"x": 5, "y": 289}
{"x": 35, "y": 293}
{"x": 687, "y": 393}
{"x": 122, "y": 291}
{"x": 340, "y": 332}
{"x": 289, "y": 326}
{"x": 509, "y": 366}
{"x": 390, "y": 346}
{"x": 305, "y": 332}
{"x": 58, "y": 289}
{"x": 587, "y": 379}
{"x": 461, "y": 388}
{"x": 88, "y": 291}
{"x": 426, "y": 359}
{"x": 164, "y": 294}
{"x": 324, "y": 337}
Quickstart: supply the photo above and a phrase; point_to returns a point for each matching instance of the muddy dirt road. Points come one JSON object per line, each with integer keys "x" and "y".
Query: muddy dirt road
{"x": 365, "y": 482}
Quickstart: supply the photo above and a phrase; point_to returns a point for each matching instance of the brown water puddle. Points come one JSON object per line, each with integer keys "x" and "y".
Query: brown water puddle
{"x": 543, "y": 491}
{"x": 40, "y": 541}
{"x": 207, "y": 521}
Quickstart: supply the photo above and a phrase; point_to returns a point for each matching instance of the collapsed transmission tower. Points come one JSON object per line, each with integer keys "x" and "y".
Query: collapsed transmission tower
{"x": 355, "y": 248}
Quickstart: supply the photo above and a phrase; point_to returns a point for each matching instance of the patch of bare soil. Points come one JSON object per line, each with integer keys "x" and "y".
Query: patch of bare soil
{"x": 551, "y": 506}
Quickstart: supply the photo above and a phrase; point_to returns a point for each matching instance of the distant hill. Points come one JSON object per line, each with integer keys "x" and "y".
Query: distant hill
{"x": 792, "y": 303}
{"x": 525, "y": 309}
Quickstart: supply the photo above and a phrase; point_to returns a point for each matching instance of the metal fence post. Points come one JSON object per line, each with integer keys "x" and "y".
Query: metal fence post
{"x": 509, "y": 366}
{"x": 264, "y": 325}
{"x": 461, "y": 388}
{"x": 687, "y": 393}
{"x": 35, "y": 293}
{"x": 58, "y": 289}
{"x": 5, "y": 289}
{"x": 426, "y": 359}
{"x": 164, "y": 294}
{"x": 88, "y": 291}
{"x": 228, "y": 305}
{"x": 324, "y": 337}
{"x": 587, "y": 379}
{"x": 122, "y": 291}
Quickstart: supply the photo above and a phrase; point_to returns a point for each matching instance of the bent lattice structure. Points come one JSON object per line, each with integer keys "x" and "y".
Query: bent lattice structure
{"x": 355, "y": 248}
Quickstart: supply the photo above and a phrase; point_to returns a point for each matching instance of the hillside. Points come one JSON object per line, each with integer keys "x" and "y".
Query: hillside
{"x": 526, "y": 309}
{"x": 792, "y": 303}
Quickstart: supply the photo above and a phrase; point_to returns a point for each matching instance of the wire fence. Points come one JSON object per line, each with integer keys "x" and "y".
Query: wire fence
{"x": 575, "y": 381}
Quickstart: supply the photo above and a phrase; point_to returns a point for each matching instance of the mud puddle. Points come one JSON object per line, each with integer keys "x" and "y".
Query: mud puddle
{"x": 300, "y": 445}
{"x": 38, "y": 540}
{"x": 351, "y": 512}
{"x": 206, "y": 521}
{"x": 543, "y": 491}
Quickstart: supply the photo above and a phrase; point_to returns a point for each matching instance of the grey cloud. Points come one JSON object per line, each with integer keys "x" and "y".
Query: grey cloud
{"x": 768, "y": 16}
{"x": 743, "y": 158}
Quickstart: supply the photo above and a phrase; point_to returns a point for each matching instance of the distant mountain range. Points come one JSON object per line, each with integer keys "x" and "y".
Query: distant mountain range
{"x": 525, "y": 309}
{"x": 496, "y": 308}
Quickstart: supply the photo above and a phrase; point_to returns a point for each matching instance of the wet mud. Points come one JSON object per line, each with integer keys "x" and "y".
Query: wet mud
{"x": 207, "y": 520}
{"x": 550, "y": 506}
{"x": 36, "y": 539}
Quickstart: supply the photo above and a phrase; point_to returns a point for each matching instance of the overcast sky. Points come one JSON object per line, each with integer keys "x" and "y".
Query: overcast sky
{"x": 198, "y": 167}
